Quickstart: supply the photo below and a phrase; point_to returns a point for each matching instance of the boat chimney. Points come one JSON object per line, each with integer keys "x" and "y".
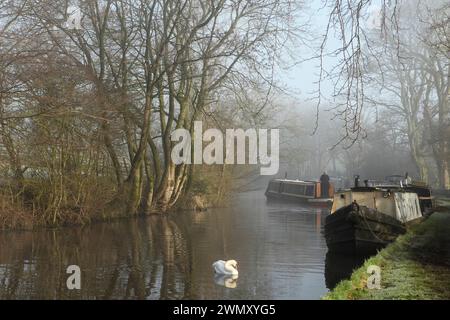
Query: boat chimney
{"x": 356, "y": 180}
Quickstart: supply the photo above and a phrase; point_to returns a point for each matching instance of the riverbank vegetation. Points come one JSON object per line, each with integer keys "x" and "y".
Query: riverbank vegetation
{"x": 415, "y": 266}
{"x": 90, "y": 94}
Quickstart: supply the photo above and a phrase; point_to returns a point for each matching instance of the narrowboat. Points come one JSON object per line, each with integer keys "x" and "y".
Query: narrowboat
{"x": 423, "y": 191}
{"x": 299, "y": 191}
{"x": 365, "y": 219}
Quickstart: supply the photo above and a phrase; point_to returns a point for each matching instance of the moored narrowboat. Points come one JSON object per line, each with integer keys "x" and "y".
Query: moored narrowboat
{"x": 365, "y": 219}
{"x": 299, "y": 191}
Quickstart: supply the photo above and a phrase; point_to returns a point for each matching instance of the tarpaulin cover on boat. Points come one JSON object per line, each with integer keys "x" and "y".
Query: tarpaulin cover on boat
{"x": 407, "y": 206}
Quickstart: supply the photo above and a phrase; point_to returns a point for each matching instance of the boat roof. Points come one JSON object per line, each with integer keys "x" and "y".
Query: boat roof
{"x": 294, "y": 181}
{"x": 393, "y": 188}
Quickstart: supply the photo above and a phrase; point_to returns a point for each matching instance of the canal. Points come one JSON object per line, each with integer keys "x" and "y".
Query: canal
{"x": 280, "y": 249}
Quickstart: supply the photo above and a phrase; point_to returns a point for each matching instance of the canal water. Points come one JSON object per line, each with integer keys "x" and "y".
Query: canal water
{"x": 280, "y": 249}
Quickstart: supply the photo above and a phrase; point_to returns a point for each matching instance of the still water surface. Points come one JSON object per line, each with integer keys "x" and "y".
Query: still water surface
{"x": 280, "y": 249}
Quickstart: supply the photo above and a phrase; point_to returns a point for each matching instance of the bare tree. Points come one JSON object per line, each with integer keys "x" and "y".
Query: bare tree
{"x": 99, "y": 99}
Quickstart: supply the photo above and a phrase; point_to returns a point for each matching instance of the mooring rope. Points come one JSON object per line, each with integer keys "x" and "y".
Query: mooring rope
{"x": 365, "y": 220}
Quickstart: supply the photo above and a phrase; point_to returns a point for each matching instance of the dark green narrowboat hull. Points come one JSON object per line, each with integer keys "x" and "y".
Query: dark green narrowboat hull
{"x": 360, "y": 230}
{"x": 283, "y": 197}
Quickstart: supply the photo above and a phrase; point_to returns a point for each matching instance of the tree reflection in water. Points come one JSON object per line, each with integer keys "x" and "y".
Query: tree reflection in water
{"x": 126, "y": 259}
{"x": 279, "y": 247}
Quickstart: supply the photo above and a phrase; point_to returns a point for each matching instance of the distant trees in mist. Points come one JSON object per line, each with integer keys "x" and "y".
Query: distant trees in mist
{"x": 394, "y": 71}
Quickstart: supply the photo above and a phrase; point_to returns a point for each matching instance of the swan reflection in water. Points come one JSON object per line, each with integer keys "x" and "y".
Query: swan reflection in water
{"x": 226, "y": 280}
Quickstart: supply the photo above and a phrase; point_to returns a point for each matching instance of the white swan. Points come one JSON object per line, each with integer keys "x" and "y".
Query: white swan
{"x": 228, "y": 267}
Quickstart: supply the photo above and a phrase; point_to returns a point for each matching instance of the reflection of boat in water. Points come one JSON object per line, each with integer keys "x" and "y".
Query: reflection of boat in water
{"x": 340, "y": 267}
{"x": 226, "y": 280}
{"x": 309, "y": 192}
{"x": 365, "y": 219}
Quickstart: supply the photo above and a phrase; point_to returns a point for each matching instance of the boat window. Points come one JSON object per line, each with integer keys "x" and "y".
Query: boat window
{"x": 274, "y": 186}
{"x": 295, "y": 189}
{"x": 289, "y": 188}
{"x": 309, "y": 191}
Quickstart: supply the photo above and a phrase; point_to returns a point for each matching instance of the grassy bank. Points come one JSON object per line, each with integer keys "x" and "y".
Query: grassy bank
{"x": 416, "y": 266}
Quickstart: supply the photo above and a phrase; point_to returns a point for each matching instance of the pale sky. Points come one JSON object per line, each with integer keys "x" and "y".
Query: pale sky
{"x": 302, "y": 78}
